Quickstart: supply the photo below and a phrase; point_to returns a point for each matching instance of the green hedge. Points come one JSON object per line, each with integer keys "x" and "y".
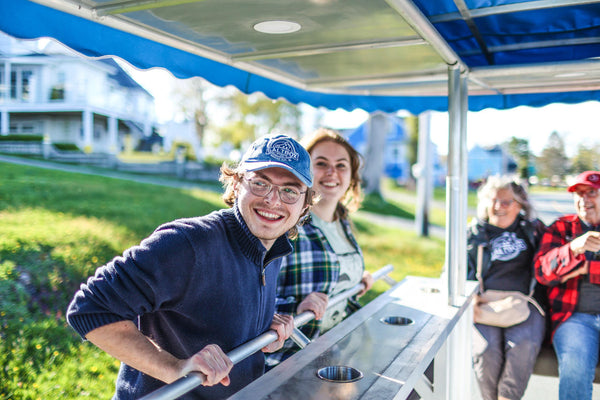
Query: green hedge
{"x": 66, "y": 146}
{"x": 21, "y": 138}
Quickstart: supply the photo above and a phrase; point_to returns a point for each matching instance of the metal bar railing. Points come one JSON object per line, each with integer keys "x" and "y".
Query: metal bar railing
{"x": 195, "y": 379}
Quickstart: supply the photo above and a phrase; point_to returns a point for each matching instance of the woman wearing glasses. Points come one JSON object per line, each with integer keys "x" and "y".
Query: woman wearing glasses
{"x": 326, "y": 259}
{"x": 501, "y": 244}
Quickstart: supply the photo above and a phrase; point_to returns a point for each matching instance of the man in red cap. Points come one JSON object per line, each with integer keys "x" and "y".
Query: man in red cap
{"x": 568, "y": 262}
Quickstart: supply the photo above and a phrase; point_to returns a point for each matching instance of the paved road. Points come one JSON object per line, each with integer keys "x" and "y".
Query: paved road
{"x": 550, "y": 206}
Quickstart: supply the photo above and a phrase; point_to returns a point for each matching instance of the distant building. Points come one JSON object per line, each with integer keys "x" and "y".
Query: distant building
{"x": 92, "y": 104}
{"x": 488, "y": 161}
{"x": 395, "y": 153}
{"x": 178, "y": 135}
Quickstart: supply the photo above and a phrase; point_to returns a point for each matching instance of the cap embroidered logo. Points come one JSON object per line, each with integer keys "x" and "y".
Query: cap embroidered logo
{"x": 282, "y": 150}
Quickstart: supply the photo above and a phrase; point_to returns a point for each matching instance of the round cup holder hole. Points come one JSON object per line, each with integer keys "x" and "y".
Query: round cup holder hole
{"x": 339, "y": 374}
{"x": 430, "y": 290}
{"x": 395, "y": 320}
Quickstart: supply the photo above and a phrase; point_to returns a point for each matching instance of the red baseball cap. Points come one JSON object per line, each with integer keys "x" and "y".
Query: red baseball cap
{"x": 588, "y": 178}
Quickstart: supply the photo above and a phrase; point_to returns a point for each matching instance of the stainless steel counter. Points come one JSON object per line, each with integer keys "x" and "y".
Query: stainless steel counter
{"x": 391, "y": 357}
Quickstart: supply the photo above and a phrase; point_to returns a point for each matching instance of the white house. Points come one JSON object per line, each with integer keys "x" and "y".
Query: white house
{"x": 94, "y": 104}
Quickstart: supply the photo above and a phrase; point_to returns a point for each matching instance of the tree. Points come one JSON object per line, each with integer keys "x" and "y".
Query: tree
{"x": 587, "y": 158}
{"x": 190, "y": 95}
{"x": 553, "y": 161}
{"x": 378, "y": 128}
{"x": 251, "y": 116}
{"x": 519, "y": 150}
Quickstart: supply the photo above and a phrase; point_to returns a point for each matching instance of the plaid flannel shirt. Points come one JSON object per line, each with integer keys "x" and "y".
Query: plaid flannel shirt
{"x": 312, "y": 266}
{"x": 555, "y": 260}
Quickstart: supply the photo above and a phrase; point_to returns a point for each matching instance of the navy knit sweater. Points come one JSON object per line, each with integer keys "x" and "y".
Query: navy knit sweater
{"x": 193, "y": 282}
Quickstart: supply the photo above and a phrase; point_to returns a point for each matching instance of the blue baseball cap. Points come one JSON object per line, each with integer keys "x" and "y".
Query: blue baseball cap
{"x": 278, "y": 151}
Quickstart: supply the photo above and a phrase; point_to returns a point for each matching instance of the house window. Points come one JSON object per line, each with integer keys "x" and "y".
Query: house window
{"x": 26, "y": 127}
{"x": 57, "y": 92}
{"x": 20, "y": 84}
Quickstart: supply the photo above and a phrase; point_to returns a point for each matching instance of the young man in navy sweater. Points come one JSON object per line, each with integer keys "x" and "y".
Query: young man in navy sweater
{"x": 199, "y": 287}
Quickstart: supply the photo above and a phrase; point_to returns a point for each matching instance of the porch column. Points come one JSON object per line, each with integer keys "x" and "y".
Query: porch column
{"x": 5, "y": 125}
{"x": 113, "y": 139}
{"x": 88, "y": 129}
{"x": 4, "y": 128}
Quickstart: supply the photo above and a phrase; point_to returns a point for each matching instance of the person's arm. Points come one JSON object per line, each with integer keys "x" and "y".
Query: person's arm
{"x": 558, "y": 260}
{"x": 125, "y": 342}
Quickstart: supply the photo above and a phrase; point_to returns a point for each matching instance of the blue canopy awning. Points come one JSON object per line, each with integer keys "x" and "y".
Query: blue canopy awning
{"x": 370, "y": 54}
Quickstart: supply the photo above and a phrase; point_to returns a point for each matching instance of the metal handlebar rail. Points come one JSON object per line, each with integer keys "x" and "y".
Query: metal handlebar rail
{"x": 195, "y": 379}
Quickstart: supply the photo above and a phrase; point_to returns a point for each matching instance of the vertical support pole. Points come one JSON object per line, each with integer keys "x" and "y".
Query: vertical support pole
{"x": 454, "y": 228}
{"x": 464, "y": 187}
{"x": 424, "y": 174}
{"x": 459, "y": 341}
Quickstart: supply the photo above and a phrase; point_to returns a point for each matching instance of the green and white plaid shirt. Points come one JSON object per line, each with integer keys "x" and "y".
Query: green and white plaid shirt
{"x": 313, "y": 266}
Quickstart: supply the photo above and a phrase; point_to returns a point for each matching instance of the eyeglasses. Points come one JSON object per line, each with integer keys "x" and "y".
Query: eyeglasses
{"x": 262, "y": 188}
{"x": 503, "y": 203}
{"x": 591, "y": 193}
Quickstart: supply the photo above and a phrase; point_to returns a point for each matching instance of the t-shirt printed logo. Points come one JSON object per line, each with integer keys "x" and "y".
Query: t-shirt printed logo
{"x": 507, "y": 246}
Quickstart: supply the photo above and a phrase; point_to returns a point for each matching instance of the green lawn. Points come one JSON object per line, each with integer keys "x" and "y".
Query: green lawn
{"x": 401, "y": 202}
{"x": 58, "y": 227}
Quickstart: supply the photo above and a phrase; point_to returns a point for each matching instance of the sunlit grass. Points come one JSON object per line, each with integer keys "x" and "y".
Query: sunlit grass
{"x": 409, "y": 253}
{"x": 400, "y": 197}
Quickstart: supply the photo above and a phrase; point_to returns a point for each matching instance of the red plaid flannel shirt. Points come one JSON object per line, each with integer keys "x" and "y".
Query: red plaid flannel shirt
{"x": 554, "y": 260}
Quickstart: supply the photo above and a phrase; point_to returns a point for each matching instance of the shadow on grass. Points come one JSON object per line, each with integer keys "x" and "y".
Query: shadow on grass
{"x": 375, "y": 203}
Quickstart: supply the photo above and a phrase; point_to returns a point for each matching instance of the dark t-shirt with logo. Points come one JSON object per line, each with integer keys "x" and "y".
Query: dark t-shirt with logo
{"x": 511, "y": 259}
